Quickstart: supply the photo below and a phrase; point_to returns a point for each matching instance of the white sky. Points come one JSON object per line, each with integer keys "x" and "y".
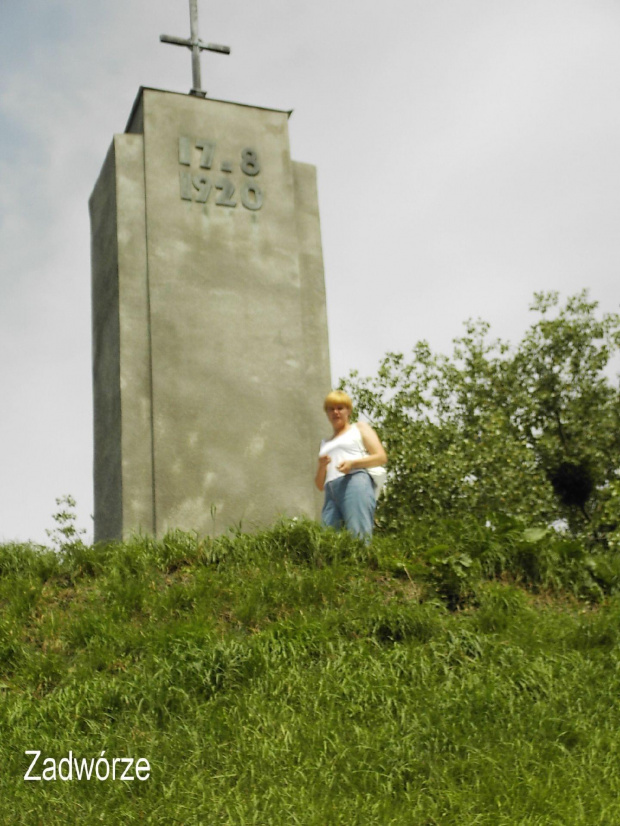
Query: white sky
{"x": 468, "y": 154}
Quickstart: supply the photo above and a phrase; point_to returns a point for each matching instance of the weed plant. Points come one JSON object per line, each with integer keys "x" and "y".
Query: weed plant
{"x": 456, "y": 674}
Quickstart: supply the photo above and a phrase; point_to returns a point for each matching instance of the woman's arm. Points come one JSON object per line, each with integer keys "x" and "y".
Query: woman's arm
{"x": 376, "y": 452}
{"x": 319, "y": 479}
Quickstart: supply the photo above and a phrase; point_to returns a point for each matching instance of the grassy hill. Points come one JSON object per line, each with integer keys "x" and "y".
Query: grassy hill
{"x": 454, "y": 675}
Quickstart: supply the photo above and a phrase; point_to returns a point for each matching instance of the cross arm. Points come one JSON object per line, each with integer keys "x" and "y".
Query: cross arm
{"x": 180, "y": 41}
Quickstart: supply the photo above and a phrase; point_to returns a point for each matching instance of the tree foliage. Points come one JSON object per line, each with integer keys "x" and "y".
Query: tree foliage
{"x": 530, "y": 431}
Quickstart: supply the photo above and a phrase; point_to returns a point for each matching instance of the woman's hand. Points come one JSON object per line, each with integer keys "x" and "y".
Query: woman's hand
{"x": 346, "y": 466}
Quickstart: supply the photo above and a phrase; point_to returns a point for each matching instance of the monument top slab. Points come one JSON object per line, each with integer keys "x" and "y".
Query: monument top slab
{"x": 196, "y": 45}
{"x": 134, "y": 123}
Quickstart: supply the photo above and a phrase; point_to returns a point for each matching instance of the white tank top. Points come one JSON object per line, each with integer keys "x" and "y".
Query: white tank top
{"x": 349, "y": 445}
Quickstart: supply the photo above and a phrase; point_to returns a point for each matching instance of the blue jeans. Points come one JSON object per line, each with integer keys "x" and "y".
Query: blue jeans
{"x": 350, "y": 501}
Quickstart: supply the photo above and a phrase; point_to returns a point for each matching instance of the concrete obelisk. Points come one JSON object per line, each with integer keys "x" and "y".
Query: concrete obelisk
{"x": 210, "y": 353}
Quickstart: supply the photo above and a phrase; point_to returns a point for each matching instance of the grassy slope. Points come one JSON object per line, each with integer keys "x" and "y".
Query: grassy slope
{"x": 296, "y": 677}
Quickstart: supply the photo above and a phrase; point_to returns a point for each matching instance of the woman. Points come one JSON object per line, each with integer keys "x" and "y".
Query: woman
{"x": 349, "y": 490}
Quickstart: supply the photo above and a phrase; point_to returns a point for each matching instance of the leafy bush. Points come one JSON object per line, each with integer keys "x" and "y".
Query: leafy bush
{"x": 531, "y": 431}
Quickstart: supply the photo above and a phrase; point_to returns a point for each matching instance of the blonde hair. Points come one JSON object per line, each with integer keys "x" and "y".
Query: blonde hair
{"x": 337, "y": 397}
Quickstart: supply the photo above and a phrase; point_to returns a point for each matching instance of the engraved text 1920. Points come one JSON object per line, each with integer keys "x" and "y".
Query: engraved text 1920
{"x": 197, "y": 186}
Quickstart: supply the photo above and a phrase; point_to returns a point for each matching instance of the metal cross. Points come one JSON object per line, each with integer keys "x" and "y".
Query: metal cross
{"x": 196, "y": 45}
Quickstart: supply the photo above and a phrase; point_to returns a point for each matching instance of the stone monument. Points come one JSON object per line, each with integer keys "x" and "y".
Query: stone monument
{"x": 210, "y": 353}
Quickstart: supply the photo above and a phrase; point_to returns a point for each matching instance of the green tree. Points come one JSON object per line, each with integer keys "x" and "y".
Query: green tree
{"x": 528, "y": 431}
{"x": 564, "y": 404}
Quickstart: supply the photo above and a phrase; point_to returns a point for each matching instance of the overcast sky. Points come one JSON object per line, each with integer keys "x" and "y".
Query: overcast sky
{"x": 468, "y": 154}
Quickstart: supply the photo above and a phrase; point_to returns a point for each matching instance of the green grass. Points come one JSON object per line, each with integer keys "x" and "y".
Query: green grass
{"x": 452, "y": 675}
